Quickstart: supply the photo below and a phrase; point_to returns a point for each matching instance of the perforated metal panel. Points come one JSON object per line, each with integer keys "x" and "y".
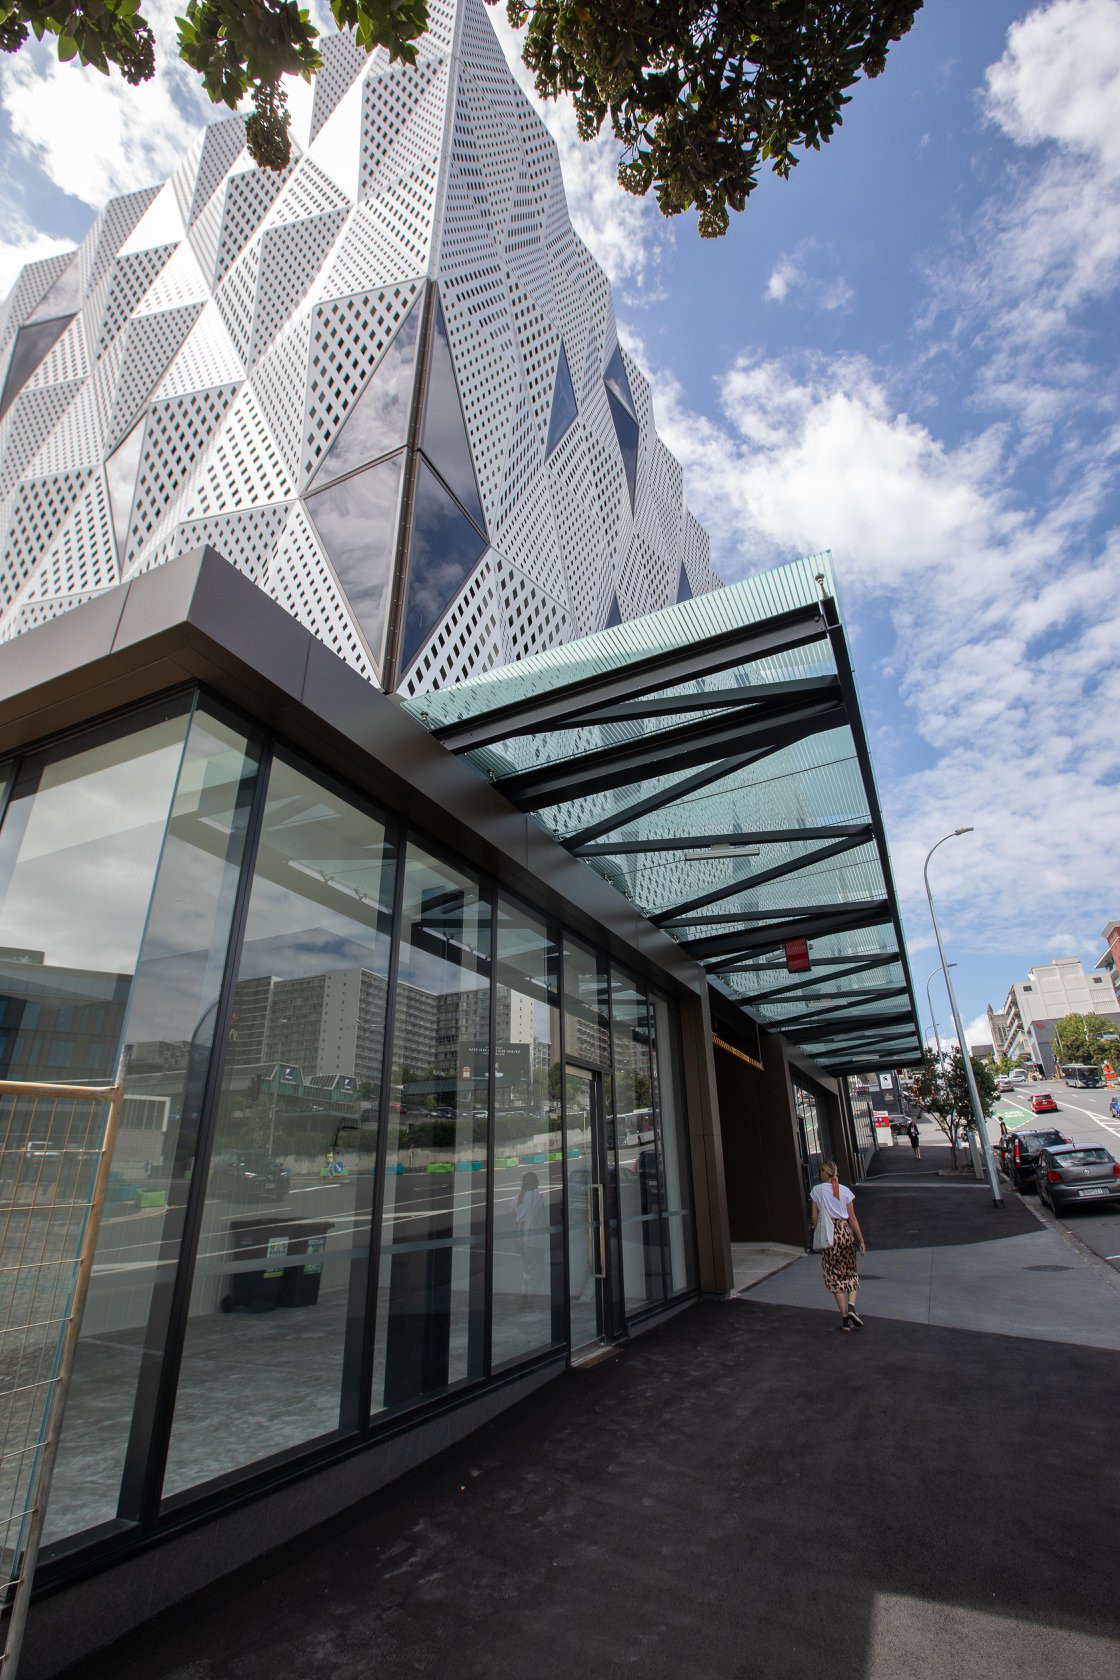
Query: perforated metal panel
{"x": 226, "y": 327}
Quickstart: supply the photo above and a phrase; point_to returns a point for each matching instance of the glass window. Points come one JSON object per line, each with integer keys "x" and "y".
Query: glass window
{"x": 120, "y": 471}
{"x": 640, "y": 1191}
{"x": 564, "y": 410}
{"x": 445, "y": 550}
{"x": 616, "y": 381}
{"x": 431, "y": 1278}
{"x": 626, "y": 430}
{"x": 444, "y": 440}
{"x": 278, "y": 1300}
{"x": 78, "y": 852}
{"x": 357, "y": 521}
{"x": 33, "y": 344}
{"x": 672, "y": 1134}
{"x": 587, "y": 1021}
{"x": 114, "y": 791}
{"x": 378, "y": 421}
{"x": 528, "y": 1188}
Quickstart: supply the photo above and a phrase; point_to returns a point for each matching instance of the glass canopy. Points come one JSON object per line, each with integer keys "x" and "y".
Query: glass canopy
{"x": 710, "y": 761}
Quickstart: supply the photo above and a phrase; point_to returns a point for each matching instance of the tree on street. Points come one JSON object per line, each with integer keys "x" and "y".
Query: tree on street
{"x": 941, "y": 1089}
{"x": 701, "y": 97}
{"x": 1084, "y": 1038}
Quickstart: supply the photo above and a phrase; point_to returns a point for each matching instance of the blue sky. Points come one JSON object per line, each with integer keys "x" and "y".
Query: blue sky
{"x": 905, "y": 354}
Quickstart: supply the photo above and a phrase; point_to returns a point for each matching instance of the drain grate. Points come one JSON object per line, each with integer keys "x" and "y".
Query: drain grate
{"x": 1049, "y": 1268}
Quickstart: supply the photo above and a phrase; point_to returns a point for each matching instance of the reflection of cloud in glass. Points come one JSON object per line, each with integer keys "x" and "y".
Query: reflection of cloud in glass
{"x": 357, "y": 521}
{"x": 445, "y": 549}
{"x": 444, "y": 440}
{"x": 378, "y": 421}
{"x": 85, "y": 861}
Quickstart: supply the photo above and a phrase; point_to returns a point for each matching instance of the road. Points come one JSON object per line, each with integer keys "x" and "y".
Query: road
{"x": 1083, "y": 1117}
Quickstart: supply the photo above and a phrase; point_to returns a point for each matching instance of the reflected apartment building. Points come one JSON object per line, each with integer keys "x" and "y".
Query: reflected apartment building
{"x": 432, "y": 821}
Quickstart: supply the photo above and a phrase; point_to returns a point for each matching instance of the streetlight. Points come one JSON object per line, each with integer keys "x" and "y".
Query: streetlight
{"x": 977, "y": 1110}
{"x": 932, "y": 1016}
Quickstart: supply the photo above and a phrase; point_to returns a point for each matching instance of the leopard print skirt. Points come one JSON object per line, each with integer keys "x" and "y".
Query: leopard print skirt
{"x": 839, "y": 1261}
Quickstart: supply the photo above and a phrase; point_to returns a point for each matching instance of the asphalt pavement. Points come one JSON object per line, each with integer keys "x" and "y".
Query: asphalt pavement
{"x": 745, "y": 1492}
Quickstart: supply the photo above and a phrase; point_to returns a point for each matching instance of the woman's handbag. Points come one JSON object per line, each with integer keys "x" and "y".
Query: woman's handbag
{"x": 823, "y": 1232}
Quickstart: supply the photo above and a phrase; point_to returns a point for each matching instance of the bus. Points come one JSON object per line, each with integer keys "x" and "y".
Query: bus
{"x": 1082, "y": 1073}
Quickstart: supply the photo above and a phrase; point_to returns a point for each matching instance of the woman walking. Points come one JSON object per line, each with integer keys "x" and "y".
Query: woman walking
{"x": 835, "y": 1233}
{"x": 915, "y": 1137}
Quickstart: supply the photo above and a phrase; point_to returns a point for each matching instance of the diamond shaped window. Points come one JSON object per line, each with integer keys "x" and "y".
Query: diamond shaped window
{"x": 120, "y": 471}
{"x": 684, "y": 588}
{"x": 614, "y": 378}
{"x": 564, "y": 410}
{"x": 357, "y": 522}
{"x": 444, "y": 439}
{"x": 445, "y": 549}
{"x": 33, "y": 344}
{"x": 626, "y": 430}
{"x": 378, "y": 422}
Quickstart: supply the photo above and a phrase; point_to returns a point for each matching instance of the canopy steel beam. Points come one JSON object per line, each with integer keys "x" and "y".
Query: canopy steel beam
{"x": 683, "y": 748}
{"x": 739, "y": 646}
{"x": 849, "y": 1029}
{"x": 808, "y": 924}
{"x": 777, "y": 872}
{"x": 824, "y": 979}
{"x": 836, "y": 1001}
{"x": 740, "y": 837}
{"x": 664, "y": 796}
{"x": 742, "y": 696}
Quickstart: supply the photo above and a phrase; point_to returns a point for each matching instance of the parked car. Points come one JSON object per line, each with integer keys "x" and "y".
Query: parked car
{"x": 1069, "y": 1175}
{"x": 1041, "y": 1102}
{"x": 1019, "y": 1153}
{"x": 1114, "y": 1107}
{"x": 899, "y": 1124}
{"x": 248, "y": 1175}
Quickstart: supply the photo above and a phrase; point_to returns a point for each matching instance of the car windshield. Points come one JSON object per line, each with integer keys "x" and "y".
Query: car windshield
{"x": 1082, "y": 1158}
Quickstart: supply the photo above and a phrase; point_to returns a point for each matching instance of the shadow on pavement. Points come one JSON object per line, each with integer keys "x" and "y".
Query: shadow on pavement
{"x": 741, "y": 1493}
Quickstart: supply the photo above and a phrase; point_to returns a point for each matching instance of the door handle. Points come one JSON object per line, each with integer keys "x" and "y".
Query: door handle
{"x": 599, "y": 1258}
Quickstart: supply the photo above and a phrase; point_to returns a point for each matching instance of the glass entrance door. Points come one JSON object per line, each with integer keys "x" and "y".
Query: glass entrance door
{"x": 586, "y": 1158}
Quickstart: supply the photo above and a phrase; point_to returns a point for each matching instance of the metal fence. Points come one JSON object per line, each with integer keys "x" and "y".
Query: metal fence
{"x": 56, "y": 1142}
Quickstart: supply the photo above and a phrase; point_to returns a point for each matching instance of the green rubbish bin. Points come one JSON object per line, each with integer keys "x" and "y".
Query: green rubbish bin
{"x": 299, "y": 1286}
{"x": 264, "y": 1241}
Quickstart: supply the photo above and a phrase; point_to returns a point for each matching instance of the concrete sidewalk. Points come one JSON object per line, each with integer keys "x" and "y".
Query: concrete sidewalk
{"x": 744, "y": 1493}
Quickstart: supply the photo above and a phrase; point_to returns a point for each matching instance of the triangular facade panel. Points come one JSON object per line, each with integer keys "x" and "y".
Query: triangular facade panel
{"x": 444, "y": 438}
{"x": 355, "y": 520}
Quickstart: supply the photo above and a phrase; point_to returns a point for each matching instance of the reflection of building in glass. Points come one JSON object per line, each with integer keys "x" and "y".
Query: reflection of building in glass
{"x": 58, "y": 1023}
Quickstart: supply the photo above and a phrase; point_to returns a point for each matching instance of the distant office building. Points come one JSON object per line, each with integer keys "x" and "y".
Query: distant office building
{"x": 1110, "y": 962}
{"x": 998, "y": 1025}
{"x": 1035, "y": 1005}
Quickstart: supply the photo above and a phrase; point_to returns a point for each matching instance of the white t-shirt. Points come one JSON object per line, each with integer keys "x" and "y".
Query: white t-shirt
{"x": 835, "y": 1205}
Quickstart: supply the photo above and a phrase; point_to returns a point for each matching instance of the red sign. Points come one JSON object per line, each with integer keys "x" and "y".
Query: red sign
{"x": 797, "y": 956}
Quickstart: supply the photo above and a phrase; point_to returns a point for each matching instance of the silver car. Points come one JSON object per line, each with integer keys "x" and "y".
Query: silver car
{"x": 1073, "y": 1175}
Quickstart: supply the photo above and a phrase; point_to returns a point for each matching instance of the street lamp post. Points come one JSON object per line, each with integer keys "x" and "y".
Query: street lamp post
{"x": 932, "y": 1016}
{"x": 974, "y": 1095}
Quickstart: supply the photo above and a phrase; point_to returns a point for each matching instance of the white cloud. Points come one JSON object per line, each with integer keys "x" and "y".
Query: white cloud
{"x": 95, "y": 136}
{"x": 783, "y": 275}
{"x": 1059, "y": 80}
{"x": 20, "y": 244}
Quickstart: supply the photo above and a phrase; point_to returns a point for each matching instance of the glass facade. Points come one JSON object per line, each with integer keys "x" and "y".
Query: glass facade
{"x": 387, "y": 1130}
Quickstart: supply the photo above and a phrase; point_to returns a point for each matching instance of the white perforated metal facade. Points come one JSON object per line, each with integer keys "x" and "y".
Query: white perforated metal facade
{"x": 384, "y": 384}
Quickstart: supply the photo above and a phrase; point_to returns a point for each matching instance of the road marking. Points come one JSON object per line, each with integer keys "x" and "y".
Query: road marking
{"x": 1105, "y": 1125}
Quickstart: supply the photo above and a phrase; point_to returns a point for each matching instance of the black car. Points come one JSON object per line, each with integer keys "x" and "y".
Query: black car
{"x": 1019, "y": 1152}
{"x": 1070, "y": 1175}
{"x": 248, "y": 1175}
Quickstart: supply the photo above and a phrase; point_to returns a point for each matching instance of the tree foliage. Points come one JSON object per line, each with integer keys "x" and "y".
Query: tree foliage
{"x": 941, "y": 1089}
{"x": 240, "y": 48}
{"x": 702, "y": 94}
{"x": 1085, "y": 1038}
